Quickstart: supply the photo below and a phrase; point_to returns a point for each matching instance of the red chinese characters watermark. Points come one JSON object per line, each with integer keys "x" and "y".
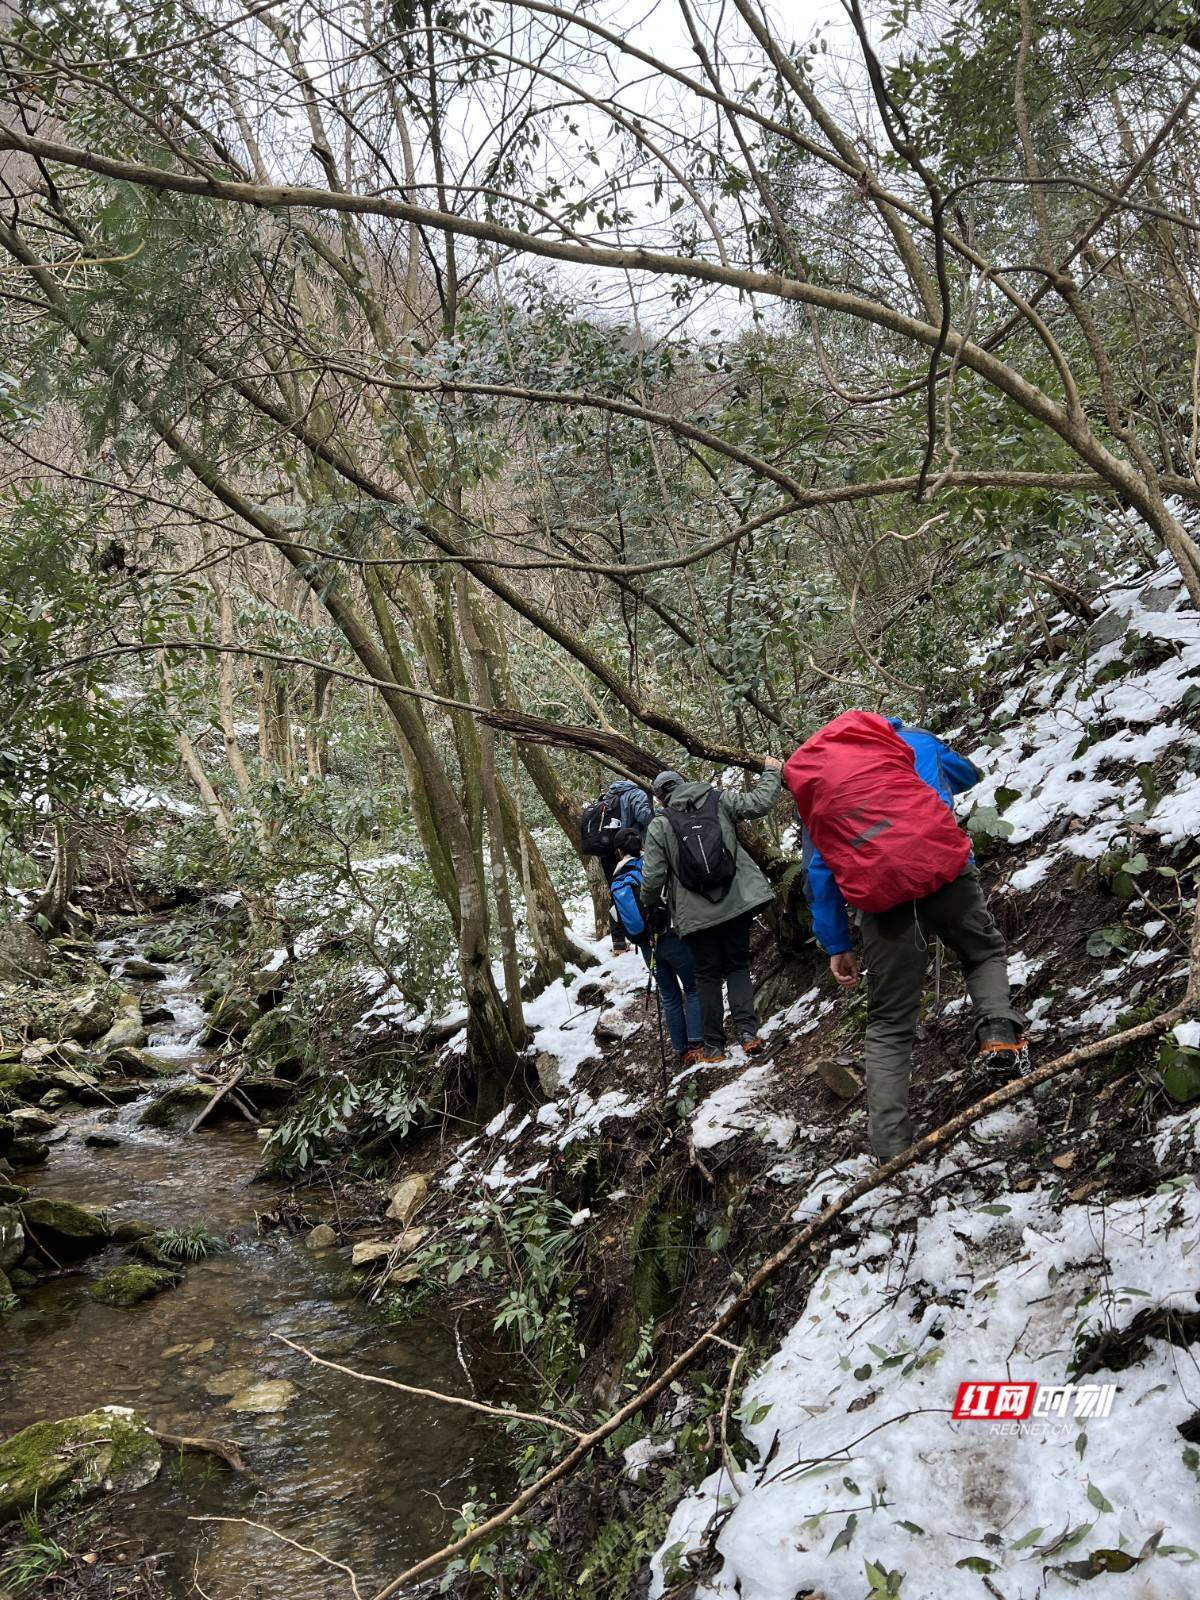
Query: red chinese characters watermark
{"x": 1000, "y": 1400}
{"x": 983, "y": 1401}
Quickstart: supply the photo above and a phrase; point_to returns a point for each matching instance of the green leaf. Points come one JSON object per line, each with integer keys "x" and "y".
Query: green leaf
{"x": 1097, "y": 1497}
{"x": 844, "y": 1537}
{"x": 1027, "y": 1539}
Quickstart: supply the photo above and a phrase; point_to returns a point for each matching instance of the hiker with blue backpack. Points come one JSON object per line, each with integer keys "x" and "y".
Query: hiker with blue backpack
{"x": 623, "y": 805}
{"x": 713, "y": 891}
{"x": 881, "y": 845}
{"x": 665, "y": 953}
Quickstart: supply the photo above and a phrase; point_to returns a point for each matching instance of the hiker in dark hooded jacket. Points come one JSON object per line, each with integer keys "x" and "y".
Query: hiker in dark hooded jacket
{"x": 665, "y": 953}
{"x": 714, "y": 921}
{"x": 881, "y": 844}
{"x": 628, "y": 806}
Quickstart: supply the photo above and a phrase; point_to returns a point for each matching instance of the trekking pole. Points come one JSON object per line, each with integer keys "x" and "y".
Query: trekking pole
{"x": 662, "y": 1049}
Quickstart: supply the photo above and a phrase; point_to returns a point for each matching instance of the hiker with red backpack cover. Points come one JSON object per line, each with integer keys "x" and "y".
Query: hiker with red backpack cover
{"x": 880, "y": 840}
{"x": 714, "y": 891}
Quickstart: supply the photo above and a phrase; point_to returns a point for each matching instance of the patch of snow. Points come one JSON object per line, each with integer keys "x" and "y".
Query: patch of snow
{"x": 1187, "y": 1034}
{"x": 642, "y": 1452}
{"x": 862, "y": 1451}
{"x": 729, "y": 1109}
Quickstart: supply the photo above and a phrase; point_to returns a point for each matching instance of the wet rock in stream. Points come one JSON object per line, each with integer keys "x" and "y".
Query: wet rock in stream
{"x": 64, "y": 1230}
{"x": 131, "y": 1284}
{"x": 177, "y": 1106}
{"x": 109, "y": 1450}
{"x": 143, "y": 971}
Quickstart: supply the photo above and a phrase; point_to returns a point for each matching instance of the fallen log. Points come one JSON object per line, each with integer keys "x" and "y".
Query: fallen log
{"x": 229, "y": 1084}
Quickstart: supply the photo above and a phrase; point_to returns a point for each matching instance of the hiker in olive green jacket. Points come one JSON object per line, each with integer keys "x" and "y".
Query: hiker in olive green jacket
{"x": 714, "y": 922}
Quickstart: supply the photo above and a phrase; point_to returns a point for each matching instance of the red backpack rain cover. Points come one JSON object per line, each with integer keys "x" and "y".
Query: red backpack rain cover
{"x": 886, "y": 836}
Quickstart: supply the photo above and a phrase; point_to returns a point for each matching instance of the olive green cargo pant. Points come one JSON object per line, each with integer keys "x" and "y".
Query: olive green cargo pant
{"x": 896, "y": 946}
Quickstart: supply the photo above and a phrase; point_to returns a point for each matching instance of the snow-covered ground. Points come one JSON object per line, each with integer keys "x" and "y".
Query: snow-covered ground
{"x": 858, "y": 1458}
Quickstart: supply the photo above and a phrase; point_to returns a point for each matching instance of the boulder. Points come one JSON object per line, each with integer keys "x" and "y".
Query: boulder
{"x": 407, "y": 1198}
{"x": 114, "y": 1092}
{"x": 11, "y": 1192}
{"x": 127, "y": 1027}
{"x": 231, "y": 1018}
{"x": 52, "y": 1052}
{"x": 90, "y": 1013}
{"x": 100, "y": 1139}
{"x": 8, "y": 1132}
{"x": 277, "y": 1044}
{"x": 29, "y": 1152}
{"x": 23, "y": 956}
{"x": 8, "y": 1298}
{"x": 134, "y": 1063}
{"x": 131, "y": 1284}
{"x": 591, "y": 994}
{"x": 28, "y": 1119}
{"x": 177, "y": 1106}
{"x": 12, "y": 1236}
{"x": 20, "y": 1278}
{"x": 65, "y": 1231}
{"x": 106, "y": 1450}
{"x": 143, "y": 971}
{"x": 322, "y": 1237}
{"x": 153, "y": 1015}
{"x": 19, "y": 1081}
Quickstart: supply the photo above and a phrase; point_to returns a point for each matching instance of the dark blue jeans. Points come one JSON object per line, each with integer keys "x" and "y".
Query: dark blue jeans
{"x": 676, "y": 973}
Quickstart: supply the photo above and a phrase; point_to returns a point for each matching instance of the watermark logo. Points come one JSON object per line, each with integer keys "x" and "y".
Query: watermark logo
{"x": 1004, "y": 1401}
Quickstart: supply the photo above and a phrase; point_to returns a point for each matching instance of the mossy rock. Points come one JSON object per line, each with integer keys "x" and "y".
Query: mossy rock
{"x": 12, "y": 1192}
{"x": 231, "y": 1018}
{"x": 133, "y": 1063}
{"x": 177, "y": 1106}
{"x": 277, "y": 1045}
{"x": 64, "y": 1230}
{"x": 111, "y": 1449}
{"x": 132, "y": 1229}
{"x": 129, "y": 1285}
{"x": 28, "y": 1152}
{"x": 18, "y": 1081}
{"x": 114, "y": 1092}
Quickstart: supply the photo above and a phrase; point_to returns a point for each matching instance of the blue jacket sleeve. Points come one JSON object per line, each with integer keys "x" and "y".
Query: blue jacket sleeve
{"x": 831, "y": 923}
{"x": 960, "y": 774}
{"x": 640, "y": 810}
{"x": 627, "y": 906}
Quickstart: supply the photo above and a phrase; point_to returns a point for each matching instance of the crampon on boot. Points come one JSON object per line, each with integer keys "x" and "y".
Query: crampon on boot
{"x": 1003, "y": 1058}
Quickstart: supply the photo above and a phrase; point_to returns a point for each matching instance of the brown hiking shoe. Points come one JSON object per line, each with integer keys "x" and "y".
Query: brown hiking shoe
{"x": 1003, "y": 1058}
{"x": 692, "y": 1056}
{"x": 710, "y": 1058}
{"x": 753, "y": 1044}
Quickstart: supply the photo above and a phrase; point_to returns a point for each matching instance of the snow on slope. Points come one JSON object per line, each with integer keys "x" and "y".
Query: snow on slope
{"x": 858, "y": 1460}
{"x": 867, "y": 1464}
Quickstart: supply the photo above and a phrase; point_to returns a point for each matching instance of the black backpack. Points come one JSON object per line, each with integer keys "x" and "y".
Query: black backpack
{"x": 595, "y": 828}
{"x": 706, "y": 864}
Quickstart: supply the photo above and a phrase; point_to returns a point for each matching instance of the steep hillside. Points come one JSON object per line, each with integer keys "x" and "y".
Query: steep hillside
{"x": 1056, "y": 1244}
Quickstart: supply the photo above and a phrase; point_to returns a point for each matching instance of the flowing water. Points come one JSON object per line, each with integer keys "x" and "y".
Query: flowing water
{"x": 369, "y": 1476}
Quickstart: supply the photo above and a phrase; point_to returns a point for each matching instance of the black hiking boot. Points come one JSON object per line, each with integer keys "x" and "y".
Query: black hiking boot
{"x": 1003, "y": 1054}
